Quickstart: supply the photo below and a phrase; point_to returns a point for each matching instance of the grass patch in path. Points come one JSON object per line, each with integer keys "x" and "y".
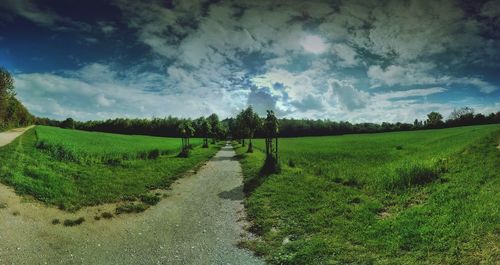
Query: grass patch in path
{"x": 71, "y": 184}
{"x": 356, "y": 199}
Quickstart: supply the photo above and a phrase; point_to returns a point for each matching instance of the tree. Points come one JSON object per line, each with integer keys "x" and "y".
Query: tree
{"x": 417, "y": 124}
{"x": 271, "y": 127}
{"x": 186, "y": 130}
{"x": 458, "y": 114}
{"x": 6, "y": 93}
{"x": 214, "y": 125}
{"x": 251, "y": 122}
{"x": 434, "y": 119}
{"x": 68, "y": 123}
{"x": 240, "y": 131}
{"x": 206, "y": 129}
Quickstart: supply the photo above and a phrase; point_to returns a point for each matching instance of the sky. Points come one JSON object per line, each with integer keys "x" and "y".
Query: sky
{"x": 351, "y": 60}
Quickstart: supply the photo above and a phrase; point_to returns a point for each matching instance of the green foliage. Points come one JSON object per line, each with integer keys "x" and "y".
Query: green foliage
{"x": 79, "y": 173}
{"x": 434, "y": 119}
{"x": 68, "y": 123}
{"x": 150, "y": 199}
{"x": 250, "y": 122}
{"x": 12, "y": 112}
{"x": 355, "y": 199}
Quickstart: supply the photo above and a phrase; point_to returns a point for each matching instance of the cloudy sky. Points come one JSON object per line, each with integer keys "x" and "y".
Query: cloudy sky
{"x": 342, "y": 60}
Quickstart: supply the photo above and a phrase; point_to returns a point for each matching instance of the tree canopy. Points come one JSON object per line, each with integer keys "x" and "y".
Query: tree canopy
{"x": 12, "y": 112}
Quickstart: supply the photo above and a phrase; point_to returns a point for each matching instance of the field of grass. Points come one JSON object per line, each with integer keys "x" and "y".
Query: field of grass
{"x": 71, "y": 168}
{"x": 423, "y": 197}
{"x": 90, "y": 147}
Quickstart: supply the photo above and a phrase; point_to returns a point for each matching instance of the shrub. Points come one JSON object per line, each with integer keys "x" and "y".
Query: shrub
{"x": 107, "y": 215}
{"x": 75, "y": 222}
{"x": 150, "y": 199}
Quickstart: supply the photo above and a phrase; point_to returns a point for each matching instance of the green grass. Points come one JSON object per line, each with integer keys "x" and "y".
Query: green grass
{"x": 88, "y": 178}
{"x": 423, "y": 197}
{"x": 96, "y": 147}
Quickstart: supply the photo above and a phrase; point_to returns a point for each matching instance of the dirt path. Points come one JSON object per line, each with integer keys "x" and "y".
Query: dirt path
{"x": 196, "y": 224}
{"x": 9, "y": 136}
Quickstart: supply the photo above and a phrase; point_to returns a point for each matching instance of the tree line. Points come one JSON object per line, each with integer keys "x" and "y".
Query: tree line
{"x": 12, "y": 112}
{"x": 247, "y": 125}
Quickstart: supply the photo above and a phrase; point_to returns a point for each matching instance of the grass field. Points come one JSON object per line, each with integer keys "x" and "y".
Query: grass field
{"x": 71, "y": 168}
{"x": 91, "y": 147}
{"x": 423, "y": 197}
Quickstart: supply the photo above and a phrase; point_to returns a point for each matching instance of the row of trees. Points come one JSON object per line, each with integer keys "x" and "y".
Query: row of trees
{"x": 246, "y": 125}
{"x": 12, "y": 112}
{"x": 210, "y": 127}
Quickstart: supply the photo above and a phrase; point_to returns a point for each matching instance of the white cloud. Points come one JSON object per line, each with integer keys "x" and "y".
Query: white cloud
{"x": 421, "y": 92}
{"x": 420, "y": 74}
{"x": 313, "y": 44}
{"x": 97, "y": 92}
{"x": 347, "y": 54}
{"x": 347, "y": 96}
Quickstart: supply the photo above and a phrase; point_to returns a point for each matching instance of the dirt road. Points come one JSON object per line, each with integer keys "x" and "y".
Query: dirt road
{"x": 196, "y": 224}
{"x": 9, "y": 136}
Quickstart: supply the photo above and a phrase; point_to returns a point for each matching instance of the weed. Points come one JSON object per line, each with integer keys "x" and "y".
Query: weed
{"x": 69, "y": 222}
{"x": 150, "y": 199}
{"x": 56, "y": 221}
{"x": 107, "y": 215}
{"x": 3, "y": 205}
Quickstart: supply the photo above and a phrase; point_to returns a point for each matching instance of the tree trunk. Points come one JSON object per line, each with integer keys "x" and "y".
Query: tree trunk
{"x": 250, "y": 146}
{"x": 276, "y": 150}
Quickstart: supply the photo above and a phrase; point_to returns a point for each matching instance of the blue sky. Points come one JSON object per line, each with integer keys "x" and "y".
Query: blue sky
{"x": 361, "y": 61}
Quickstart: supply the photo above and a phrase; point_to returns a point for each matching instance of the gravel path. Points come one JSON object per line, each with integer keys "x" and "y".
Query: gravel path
{"x": 197, "y": 224}
{"x": 9, "y": 136}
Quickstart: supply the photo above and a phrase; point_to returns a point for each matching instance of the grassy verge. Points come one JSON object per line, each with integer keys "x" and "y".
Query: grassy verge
{"x": 394, "y": 198}
{"x": 90, "y": 179}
